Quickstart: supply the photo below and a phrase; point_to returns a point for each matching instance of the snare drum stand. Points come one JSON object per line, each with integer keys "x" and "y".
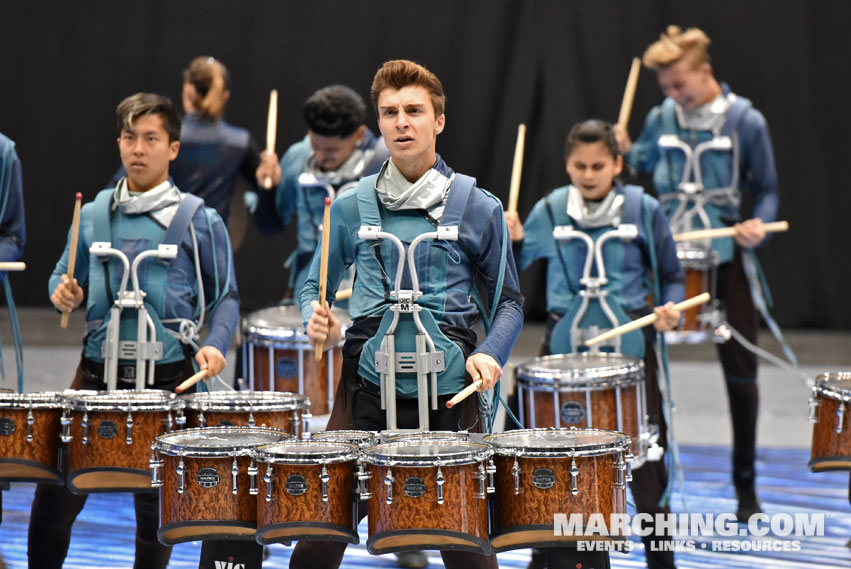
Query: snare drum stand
{"x": 145, "y": 350}
{"x": 427, "y": 361}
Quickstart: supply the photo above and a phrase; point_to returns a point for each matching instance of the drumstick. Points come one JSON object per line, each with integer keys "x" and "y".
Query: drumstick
{"x": 72, "y": 253}
{"x": 191, "y": 381}
{"x": 773, "y": 227}
{"x": 464, "y": 393}
{"x": 645, "y": 320}
{"x": 271, "y": 131}
{"x": 514, "y": 188}
{"x": 344, "y": 294}
{"x": 323, "y": 268}
{"x": 13, "y": 266}
{"x": 629, "y": 93}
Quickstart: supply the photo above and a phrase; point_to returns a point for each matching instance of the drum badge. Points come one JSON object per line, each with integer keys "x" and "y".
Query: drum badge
{"x": 107, "y": 430}
{"x": 286, "y": 367}
{"x": 414, "y": 487}
{"x": 7, "y": 426}
{"x": 208, "y": 477}
{"x": 572, "y": 412}
{"x": 543, "y": 478}
{"x": 296, "y": 484}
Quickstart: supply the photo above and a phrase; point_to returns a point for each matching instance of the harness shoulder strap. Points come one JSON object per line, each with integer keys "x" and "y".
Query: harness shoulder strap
{"x": 182, "y": 218}
{"x": 633, "y": 204}
{"x": 556, "y": 204}
{"x": 456, "y": 203}
{"x": 735, "y": 114}
{"x": 102, "y": 212}
{"x": 669, "y": 117}
{"x": 368, "y": 202}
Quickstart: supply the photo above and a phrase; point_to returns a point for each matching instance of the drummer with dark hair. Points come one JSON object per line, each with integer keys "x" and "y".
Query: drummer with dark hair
{"x": 608, "y": 250}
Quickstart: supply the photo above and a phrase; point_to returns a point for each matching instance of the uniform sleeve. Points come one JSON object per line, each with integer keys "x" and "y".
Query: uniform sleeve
{"x": 12, "y": 225}
{"x": 277, "y": 206}
{"x": 81, "y": 265}
{"x": 219, "y": 281}
{"x": 508, "y": 317}
{"x": 537, "y": 230}
{"x": 758, "y": 169}
{"x": 250, "y": 162}
{"x": 645, "y": 150}
{"x": 671, "y": 276}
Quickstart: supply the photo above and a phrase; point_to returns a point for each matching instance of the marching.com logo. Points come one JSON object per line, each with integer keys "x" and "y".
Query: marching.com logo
{"x": 229, "y": 565}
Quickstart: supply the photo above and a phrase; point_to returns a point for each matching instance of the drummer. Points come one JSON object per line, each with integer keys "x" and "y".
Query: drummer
{"x": 135, "y": 215}
{"x": 593, "y": 203}
{"x": 412, "y": 193}
{"x": 337, "y": 151}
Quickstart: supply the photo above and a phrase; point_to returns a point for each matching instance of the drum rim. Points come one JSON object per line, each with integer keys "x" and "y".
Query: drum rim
{"x": 821, "y": 386}
{"x": 161, "y": 445}
{"x": 353, "y": 434}
{"x": 345, "y": 452}
{"x": 120, "y": 400}
{"x": 35, "y": 400}
{"x": 269, "y": 334}
{"x": 621, "y": 442}
{"x": 241, "y": 401}
{"x": 624, "y": 370}
{"x": 428, "y": 435}
{"x": 479, "y": 453}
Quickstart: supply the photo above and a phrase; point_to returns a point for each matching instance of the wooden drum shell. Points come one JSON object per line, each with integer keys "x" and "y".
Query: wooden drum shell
{"x": 36, "y": 461}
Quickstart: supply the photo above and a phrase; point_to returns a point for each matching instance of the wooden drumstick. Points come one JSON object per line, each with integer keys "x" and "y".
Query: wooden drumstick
{"x": 344, "y": 294}
{"x": 191, "y": 381}
{"x": 271, "y": 131}
{"x": 464, "y": 393}
{"x": 72, "y": 253}
{"x": 13, "y": 266}
{"x": 773, "y": 227}
{"x": 517, "y": 168}
{"x": 646, "y": 320}
{"x": 323, "y": 268}
{"x": 629, "y": 93}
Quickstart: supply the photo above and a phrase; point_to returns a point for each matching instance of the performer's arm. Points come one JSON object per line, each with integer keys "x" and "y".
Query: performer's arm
{"x": 219, "y": 280}
{"x": 12, "y": 226}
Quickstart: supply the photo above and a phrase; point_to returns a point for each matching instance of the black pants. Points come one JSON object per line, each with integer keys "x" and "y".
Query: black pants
{"x": 55, "y": 508}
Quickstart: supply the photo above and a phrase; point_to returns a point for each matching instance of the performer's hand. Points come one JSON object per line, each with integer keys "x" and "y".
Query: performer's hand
{"x": 622, "y": 138}
{"x": 269, "y": 168}
{"x": 68, "y": 295}
{"x": 749, "y": 233}
{"x": 515, "y": 228}
{"x": 211, "y": 359}
{"x": 484, "y": 367}
{"x": 323, "y": 326}
{"x": 669, "y": 317}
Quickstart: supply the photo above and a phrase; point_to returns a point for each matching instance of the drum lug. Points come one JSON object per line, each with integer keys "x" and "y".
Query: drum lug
{"x": 481, "y": 476}
{"x": 840, "y": 418}
{"x": 388, "y": 481}
{"x": 620, "y": 467}
{"x": 181, "y": 419}
{"x": 305, "y": 422}
{"x": 814, "y": 407}
{"x": 169, "y": 421}
{"x": 362, "y": 476}
{"x": 323, "y": 476}
{"x": 629, "y": 459}
{"x": 491, "y": 470}
{"x": 515, "y": 470}
{"x": 202, "y": 420}
{"x": 85, "y": 424}
{"x": 252, "y": 477}
{"x": 234, "y": 472}
{"x": 30, "y": 422}
{"x": 267, "y": 478}
{"x": 65, "y": 421}
{"x": 440, "y": 482}
{"x": 574, "y": 473}
{"x": 128, "y": 424}
{"x": 156, "y": 481}
{"x": 251, "y": 422}
{"x": 181, "y": 471}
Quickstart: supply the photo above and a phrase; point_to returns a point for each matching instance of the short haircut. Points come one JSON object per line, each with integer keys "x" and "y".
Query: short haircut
{"x": 401, "y": 73}
{"x": 336, "y": 110}
{"x": 142, "y": 104}
{"x": 211, "y": 79}
{"x": 589, "y": 132}
{"x": 674, "y": 45}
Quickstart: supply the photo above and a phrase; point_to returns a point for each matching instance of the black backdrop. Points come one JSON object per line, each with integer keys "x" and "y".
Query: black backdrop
{"x": 65, "y": 65}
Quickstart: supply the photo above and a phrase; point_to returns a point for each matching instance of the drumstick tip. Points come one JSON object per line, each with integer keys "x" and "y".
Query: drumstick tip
{"x": 79, "y": 196}
{"x": 327, "y": 201}
{"x": 449, "y": 404}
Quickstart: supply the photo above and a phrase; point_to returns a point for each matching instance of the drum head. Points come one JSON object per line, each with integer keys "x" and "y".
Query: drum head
{"x": 585, "y": 370}
{"x": 391, "y": 437}
{"x": 246, "y": 401}
{"x": 41, "y": 400}
{"x": 282, "y": 323}
{"x": 353, "y": 437}
{"x": 558, "y": 442}
{"x": 217, "y": 441}
{"x": 125, "y": 400}
{"x": 306, "y": 452}
{"x": 836, "y": 385}
{"x": 425, "y": 452}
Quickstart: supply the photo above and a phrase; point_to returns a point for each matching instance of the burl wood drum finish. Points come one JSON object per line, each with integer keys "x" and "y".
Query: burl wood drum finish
{"x": 697, "y": 282}
{"x": 699, "y": 267}
{"x": 414, "y": 519}
{"x": 604, "y": 409}
{"x": 291, "y": 506}
{"x": 30, "y": 454}
{"x": 207, "y": 508}
{"x": 526, "y": 519}
{"x": 832, "y": 450}
{"x": 269, "y": 409}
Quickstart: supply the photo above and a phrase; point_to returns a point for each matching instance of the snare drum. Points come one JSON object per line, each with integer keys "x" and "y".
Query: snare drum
{"x": 427, "y": 494}
{"x": 110, "y": 434}
{"x": 307, "y": 490}
{"x": 287, "y": 411}
{"x": 830, "y": 415}
{"x": 600, "y": 390}
{"x": 208, "y": 482}
{"x": 544, "y": 472}
{"x": 700, "y": 266}
{"x": 29, "y": 437}
{"x": 275, "y": 345}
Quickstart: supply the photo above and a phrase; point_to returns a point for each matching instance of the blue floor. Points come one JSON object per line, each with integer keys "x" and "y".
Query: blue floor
{"x": 103, "y": 534}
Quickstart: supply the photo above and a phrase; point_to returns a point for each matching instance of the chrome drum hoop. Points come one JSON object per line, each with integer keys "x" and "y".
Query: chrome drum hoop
{"x": 418, "y": 454}
{"x": 558, "y": 442}
{"x": 221, "y": 441}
